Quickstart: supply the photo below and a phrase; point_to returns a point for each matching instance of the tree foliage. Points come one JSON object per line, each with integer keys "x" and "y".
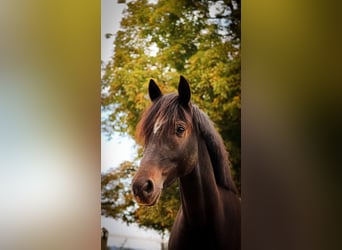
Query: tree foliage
{"x": 161, "y": 40}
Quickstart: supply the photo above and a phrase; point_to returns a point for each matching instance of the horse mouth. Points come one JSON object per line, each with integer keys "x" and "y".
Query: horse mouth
{"x": 148, "y": 199}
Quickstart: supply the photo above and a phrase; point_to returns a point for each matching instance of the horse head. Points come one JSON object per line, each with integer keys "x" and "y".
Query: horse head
{"x": 170, "y": 143}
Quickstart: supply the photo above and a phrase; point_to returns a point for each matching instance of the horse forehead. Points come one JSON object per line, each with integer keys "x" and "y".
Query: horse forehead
{"x": 157, "y": 125}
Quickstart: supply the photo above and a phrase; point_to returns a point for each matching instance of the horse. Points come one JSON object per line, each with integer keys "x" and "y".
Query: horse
{"x": 180, "y": 142}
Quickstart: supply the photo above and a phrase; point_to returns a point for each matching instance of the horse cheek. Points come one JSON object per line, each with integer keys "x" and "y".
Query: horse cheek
{"x": 191, "y": 154}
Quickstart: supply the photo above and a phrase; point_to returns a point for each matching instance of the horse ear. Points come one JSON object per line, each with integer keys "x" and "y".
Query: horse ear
{"x": 154, "y": 91}
{"x": 184, "y": 91}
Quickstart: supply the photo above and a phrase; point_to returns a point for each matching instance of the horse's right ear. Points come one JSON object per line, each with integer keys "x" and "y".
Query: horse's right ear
{"x": 154, "y": 91}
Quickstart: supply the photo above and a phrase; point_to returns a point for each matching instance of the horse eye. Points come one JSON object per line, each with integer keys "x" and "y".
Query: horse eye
{"x": 180, "y": 130}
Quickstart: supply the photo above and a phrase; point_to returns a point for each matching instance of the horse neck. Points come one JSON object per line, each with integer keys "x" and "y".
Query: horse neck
{"x": 199, "y": 192}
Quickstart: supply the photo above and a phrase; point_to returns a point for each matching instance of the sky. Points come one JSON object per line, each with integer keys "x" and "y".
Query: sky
{"x": 111, "y": 13}
{"x": 119, "y": 148}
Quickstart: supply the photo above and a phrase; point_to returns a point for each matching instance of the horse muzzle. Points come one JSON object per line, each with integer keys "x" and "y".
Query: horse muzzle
{"x": 145, "y": 191}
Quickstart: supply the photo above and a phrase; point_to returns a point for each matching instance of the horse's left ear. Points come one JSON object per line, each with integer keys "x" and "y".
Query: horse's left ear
{"x": 184, "y": 91}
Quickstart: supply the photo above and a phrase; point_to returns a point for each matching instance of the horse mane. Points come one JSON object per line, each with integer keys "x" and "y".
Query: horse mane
{"x": 168, "y": 108}
{"x": 216, "y": 149}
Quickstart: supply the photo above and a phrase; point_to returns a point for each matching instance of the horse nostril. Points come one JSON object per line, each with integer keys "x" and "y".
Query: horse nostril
{"x": 135, "y": 189}
{"x": 148, "y": 187}
{"x": 142, "y": 188}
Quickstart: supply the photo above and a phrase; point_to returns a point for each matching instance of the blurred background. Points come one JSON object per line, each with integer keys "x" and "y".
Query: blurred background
{"x": 49, "y": 129}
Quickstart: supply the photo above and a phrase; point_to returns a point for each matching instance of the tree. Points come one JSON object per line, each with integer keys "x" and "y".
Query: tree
{"x": 161, "y": 40}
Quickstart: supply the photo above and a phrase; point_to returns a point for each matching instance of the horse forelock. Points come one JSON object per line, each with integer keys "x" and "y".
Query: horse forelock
{"x": 161, "y": 117}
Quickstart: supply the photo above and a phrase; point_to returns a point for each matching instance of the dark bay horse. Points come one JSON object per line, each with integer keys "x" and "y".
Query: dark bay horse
{"x": 181, "y": 142}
